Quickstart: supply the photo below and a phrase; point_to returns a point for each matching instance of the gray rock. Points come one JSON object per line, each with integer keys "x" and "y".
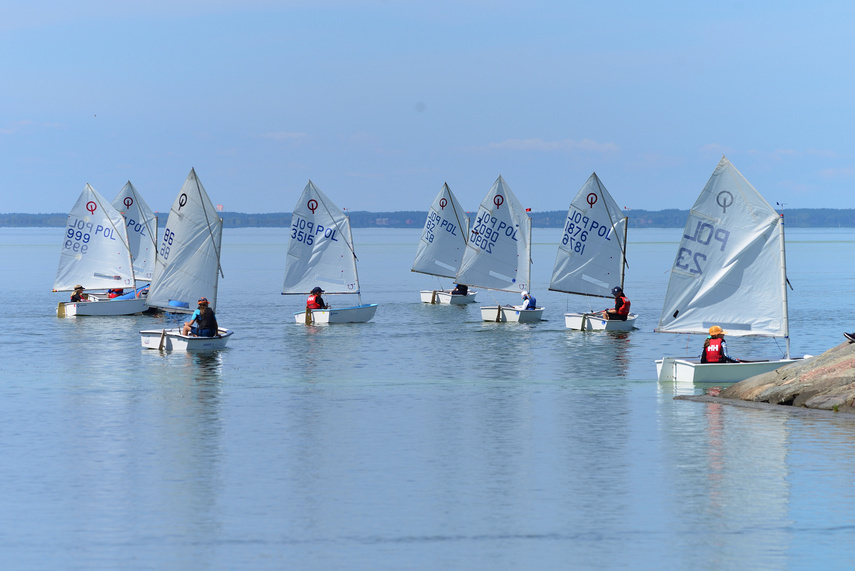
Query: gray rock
{"x": 825, "y": 382}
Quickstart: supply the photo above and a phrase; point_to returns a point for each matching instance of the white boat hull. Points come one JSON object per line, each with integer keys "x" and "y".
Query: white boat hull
{"x": 595, "y": 322}
{"x": 173, "y": 340}
{"x": 446, "y": 297}
{"x": 509, "y": 313}
{"x": 101, "y": 307}
{"x": 357, "y": 314}
{"x": 684, "y": 370}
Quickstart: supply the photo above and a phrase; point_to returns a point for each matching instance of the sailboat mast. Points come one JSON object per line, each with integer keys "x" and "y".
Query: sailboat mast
{"x": 219, "y": 268}
{"x": 784, "y": 285}
{"x": 528, "y": 252}
{"x": 353, "y": 257}
{"x": 623, "y": 252}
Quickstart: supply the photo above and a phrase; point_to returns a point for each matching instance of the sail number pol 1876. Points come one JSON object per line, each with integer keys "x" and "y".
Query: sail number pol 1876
{"x": 692, "y": 260}
{"x": 578, "y": 228}
{"x": 308, "y": 232}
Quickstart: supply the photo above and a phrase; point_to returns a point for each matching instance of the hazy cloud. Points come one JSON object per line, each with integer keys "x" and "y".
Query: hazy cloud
{"x": 17, "y": 126}
{"x": 282, "y": 136}
{"x": 843, "y": 172}
{"x": 551, "y": 146}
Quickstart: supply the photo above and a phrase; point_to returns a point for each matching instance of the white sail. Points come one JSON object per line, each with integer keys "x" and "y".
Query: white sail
{"x": 498, "y": 252}
{"x": 592, "y": 251}
{"x": 320, "y": 252}
{"x": 141, "y": 224}
{"x": 443, "y": 237}
{"x": 94, "y": 250}
{"x": 188, "y": 261}
{"x": 730, "y": 268}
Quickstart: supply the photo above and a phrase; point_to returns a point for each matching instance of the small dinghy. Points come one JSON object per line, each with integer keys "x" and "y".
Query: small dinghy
{"x": 498, "y": 253}
{"x": 730, "y": 271}
{"x": 173, "y": 340}
{"x": 442, "y": 246}
{"x": 187, "y": 267}
{"x": 592, "y": 255}
{"x": 95, "y": 254}
{"x": 321, "y": 255}
{"x": 141, "y": 224}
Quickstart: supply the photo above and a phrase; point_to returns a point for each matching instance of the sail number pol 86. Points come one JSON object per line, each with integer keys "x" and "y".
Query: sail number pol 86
{"x": 168, "y": 237}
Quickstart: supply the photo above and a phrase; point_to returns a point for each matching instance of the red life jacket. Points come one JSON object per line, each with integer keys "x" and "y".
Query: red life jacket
{"x": 312, "y": 303}
{"x": 624, "y": 308}
{"x": 714, "y": 351}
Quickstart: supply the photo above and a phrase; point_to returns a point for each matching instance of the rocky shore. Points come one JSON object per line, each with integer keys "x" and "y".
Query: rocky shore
{"x": 825, "y": 382}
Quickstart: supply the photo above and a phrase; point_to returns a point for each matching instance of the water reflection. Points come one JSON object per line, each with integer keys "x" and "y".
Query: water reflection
{"x": 595, "y": 354}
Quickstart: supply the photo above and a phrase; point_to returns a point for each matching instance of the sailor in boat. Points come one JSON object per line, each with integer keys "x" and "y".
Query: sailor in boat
{"x": 114, "y": 293}
{"x": 460, "y": 289}
{"x": 621, "y": 309}
{"x": 529, "y": 302}
{"x": 315, "y": 300}
{"x": 77, "y": 295}
{"x": 715, "y": 349}
{"x": 205, "y": 320}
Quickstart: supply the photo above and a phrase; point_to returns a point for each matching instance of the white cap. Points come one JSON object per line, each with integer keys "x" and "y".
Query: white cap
{"x": 524, "y": 294}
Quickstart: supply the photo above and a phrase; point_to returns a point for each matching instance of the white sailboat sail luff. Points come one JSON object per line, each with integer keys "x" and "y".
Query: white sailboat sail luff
{"x": 188, "y": 262}
{"x": 141, "y": 224}
{"x": 498, "y": 251}
{"x": 444, "y": 237}
{"x": 592, "y": 252}
{"x": 730, "y": 268}
{"x": 320, "y": 251}
{"x": 94, "y": 250}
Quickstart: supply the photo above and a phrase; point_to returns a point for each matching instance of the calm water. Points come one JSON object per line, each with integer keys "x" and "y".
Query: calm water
{"x": 425, "y": 439}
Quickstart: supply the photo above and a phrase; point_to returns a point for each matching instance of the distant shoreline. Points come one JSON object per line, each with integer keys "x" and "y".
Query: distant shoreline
{"x": 672, "y": 218}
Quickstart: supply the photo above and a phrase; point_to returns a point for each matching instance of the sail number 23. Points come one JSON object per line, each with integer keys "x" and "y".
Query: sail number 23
{"x": 692, "y": 260}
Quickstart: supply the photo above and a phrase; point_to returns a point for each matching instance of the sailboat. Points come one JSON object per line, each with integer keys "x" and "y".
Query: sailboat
{"x": 592, "y": 255}
{"x": 95, "y": 254}
{"x": 442, "y": 245}
{"x": 141, "y": 224}
{"x": 321, "y": 254}
{"x": 730, "y": 271}
{"x": 187, "y": 267}
{"x": 498, "y": 253}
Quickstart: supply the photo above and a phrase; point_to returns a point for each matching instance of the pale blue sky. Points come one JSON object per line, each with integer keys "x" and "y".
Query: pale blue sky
{"x": 380, "y": 102}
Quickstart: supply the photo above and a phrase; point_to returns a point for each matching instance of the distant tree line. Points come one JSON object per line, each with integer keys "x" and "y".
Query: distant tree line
{"x": 671, "y": 218}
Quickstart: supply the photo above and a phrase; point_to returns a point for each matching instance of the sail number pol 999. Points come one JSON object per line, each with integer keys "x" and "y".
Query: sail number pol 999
{"x": 79, "y": 233}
